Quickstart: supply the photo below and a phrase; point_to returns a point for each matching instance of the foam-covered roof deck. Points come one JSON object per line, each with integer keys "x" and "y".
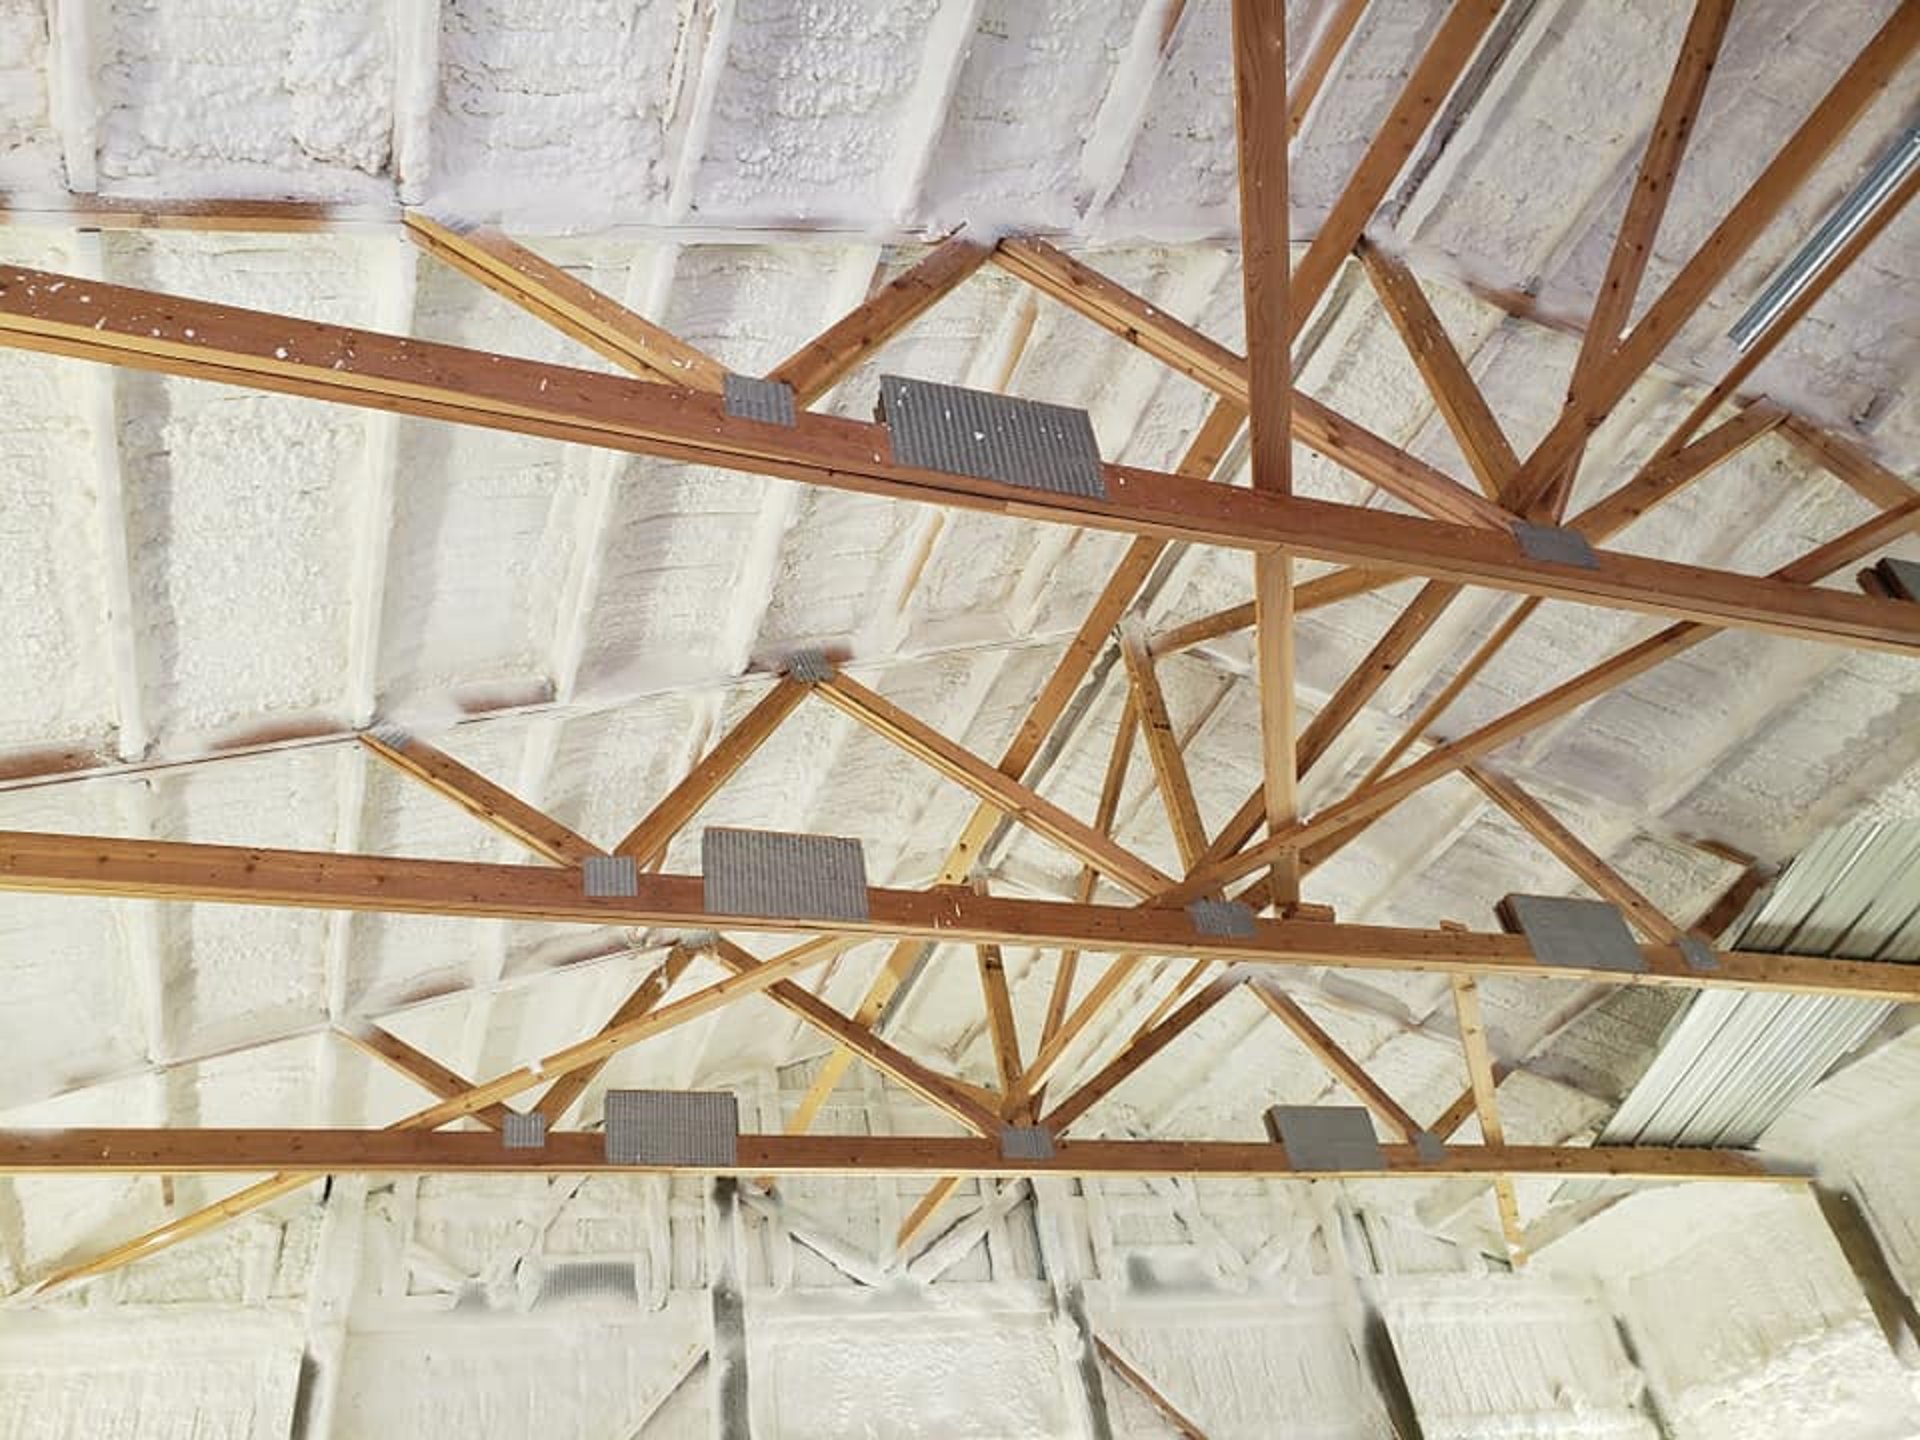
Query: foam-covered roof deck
{"x": 205, "y": 590}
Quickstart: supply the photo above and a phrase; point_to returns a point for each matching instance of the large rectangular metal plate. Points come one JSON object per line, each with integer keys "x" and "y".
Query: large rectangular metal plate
{"x": 1228, "y": 919}
{"x": 1026, "y": 1142}
{"x": 780, "y": 876}
{"x": 1326, "y": 1137}
{"x": 992, "y": 437}
{"x": 608, "y": 876}
{"x": 1575, "y": 934}
{"x": 1901, "y": 577}
{"x": 672, "y": 1127}
{"x": 1555, "y": 545}
{"x": 526, "y": 1131}
{"x": 750, "y": 398}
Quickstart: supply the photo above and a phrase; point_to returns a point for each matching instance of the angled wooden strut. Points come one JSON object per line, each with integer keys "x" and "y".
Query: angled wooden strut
{"x": 545, "y": 290}
{"x": 76, "y": 317}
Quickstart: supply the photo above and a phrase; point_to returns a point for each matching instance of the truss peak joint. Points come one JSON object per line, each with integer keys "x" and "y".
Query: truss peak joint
{"x": 1555, "y": 545}
{"x": 810, "y": 667}
{"x": 771, "y": 402}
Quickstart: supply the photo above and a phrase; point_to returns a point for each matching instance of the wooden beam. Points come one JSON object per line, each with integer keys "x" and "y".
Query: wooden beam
{"x": 421, "y": 1068}
{"x": 1455, "y": 392}
{"x": 1182, "y": 1426}
{"x": 1427, "y": 86}
{"x": 57, "y": 314}
{"x": 1386, "y": 792}
{"x": 1322, "y": 590}
{"x": 1848, "y": 463}
{"x": 176, "y": 870}
{"x": 647, "y": 842}
{"x": 1148, "y": 704}
{"x": 561, "y": 1096}
{"x": 1119, "y": 760}
{"x": 1137, "y": 1054}
{"x": 480, "y": 797}
{"x": 1326, "y": 48}
{"x": 825, "y": 361}
{"x": 1571, "y": 851}
{"x": 1878, "y": 62}
{"x": 1473, "y": 1040}
{"x": 1010, "y": 797}
{"x": 1401, "y": 1126}
{"x": 937, "y": 1090}
{"x": 543, "y": 289}
{"x": 96, "y": 1151}
{"x": 1260, "y": 91}
{"x": 596, "y": 1050}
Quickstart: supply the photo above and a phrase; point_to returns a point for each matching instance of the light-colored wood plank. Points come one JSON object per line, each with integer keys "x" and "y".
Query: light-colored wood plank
{"x": 1326, "y": 48}
{"x": 542, "y": 288}
{"x": 647, "y": 842}
{"x": 421, "y": 1068}
{"x": 1003, "y": 1032}
{"x": 1473, "y": 1041}
{"x": 829, "y": 358}
{"x": 1343, "y": 1067}
{"x": 481, "y": 798}
{"x": 1849, "y": 463}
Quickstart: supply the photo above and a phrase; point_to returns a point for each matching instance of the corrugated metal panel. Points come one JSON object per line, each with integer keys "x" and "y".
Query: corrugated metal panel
{"x": 1732, "y": 1062}
{"x": 994, "y": 437}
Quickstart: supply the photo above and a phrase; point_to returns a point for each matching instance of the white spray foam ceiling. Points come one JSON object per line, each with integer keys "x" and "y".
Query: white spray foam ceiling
{"x": 744, "y": 174}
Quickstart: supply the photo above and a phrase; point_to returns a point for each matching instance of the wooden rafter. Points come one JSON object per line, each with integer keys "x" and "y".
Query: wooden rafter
{"x": 112, "y": 324}
{"x": 1372, "y": 800}
{"x": 1455, "y": 392}
{"x": 421, "y": 1068}
{"x": 1138, "y": 1053}
{"x": 543, "y": 289}
{"x": 1646, "y": 208}
{"x": 1571, "y": 851}
{"x": 1879, "y": 60}
{"x": 1001, "y": 1028}
{"x": 1349, "y": 1072}
{"x": 823, "y": 362}
{"x": 1169, "y": 1412}
{"x": 1322, "y": 590}
{"x": 647, "y": 842}
{"x": 1009, "y": 797}
{"x": 1148, "y": 704}
{"x": 480, "y": 797}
